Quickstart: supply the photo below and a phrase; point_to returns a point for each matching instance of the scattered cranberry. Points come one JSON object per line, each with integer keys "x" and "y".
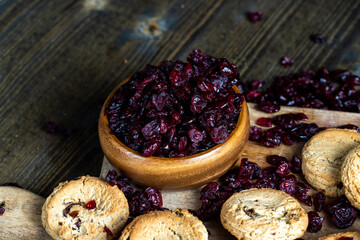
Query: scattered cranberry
{"x": 283, "y": 169}
{"x": 276, "y": 160}
{"x": 345, "y": 238}
{"x": 351, "y": 126}
{"x": 122, "y": 182}
{"x": 319, "y": 201}
{"x": 255, "y": 134}
{"x": 258, "y": 83}
{"x": 264, "y": 122}
{"x": 268, "y": 107}
{"x": 317, "y": 38}
{"x": 53, "y": 128}
{"x": 302, "y": 194}
{"x": 179, "y": 108}
{"x": 342, "y": 213}
{"x": 315, "y": 222}
{"x": 288, "y": 186}
{"x": 296, "y": 164}
{"x": 90, "y": 205}
{"x": 2, "y": 210}
{"x": 272, "y": 137}
{"x": 286, "y": 62}
{"x": 255, "y": 16}
{"x": 145, "y": 201}
{"x": 322, "y": 89}
{"x": 108, "y": 231}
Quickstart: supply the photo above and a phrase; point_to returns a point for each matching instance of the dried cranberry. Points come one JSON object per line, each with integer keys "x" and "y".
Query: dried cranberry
{"x": 249, "y": 170}
{"x": 179, "y": 108}
{"x": 108, "y": 231}
{"x": 315, "y": 222}
{"x": 288, "y": 186}
{"x": 268, "y": 107}
{"x": 272, "y": 137}
{"x": 258, "y": 83}
{"x": 122, "y": 182}
{"x": 264, "y": 122}
{"x": 255, "y": 134}
{"x": 302, "y": 193}
{"x": 90, "y": 205}
{"x": 145, "y": 201}
{"x": 276, "y": 160}
{"x": 351, "y": 126}
{"x": 344, "y": 217}
{"x": 2, "y": 211}
{"x": 283, "y": 169}
{"x": 317, "y": 38}
{"x": 286, "y": 62}
{"x": 253, "y": 96}
{"x": 210, "y": 192}
{"x": 255, "y": 16}
{"x": 304, "y": 131}
{"x": 345, "y": 238}
{"x": 319, "y": 201}
{"x": 296, "y": 164}
{"x": 287, "y": 139}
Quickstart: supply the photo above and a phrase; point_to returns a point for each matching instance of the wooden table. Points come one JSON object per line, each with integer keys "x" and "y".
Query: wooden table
{"x": 61, "y": 58}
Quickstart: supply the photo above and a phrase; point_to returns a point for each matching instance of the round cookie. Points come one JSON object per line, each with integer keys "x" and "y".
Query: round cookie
{"x": 178, "y": 224}
{"x": 350, "y": 176}
{"x": 336, "y": 236}
{"x": 263, "y": 214}
{"x": 86, "y": 208}
{"x": 323, "y": 156}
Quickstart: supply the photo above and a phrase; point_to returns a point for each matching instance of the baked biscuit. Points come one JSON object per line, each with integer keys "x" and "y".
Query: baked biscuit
{"x": 165, "y": 225}
{"x": 350, "y": 176}
{"x": 323, "y": 156}
{"x": 86, "y": 208}
{"x": 336, "y": 236}
{"x": 263, "y": 214}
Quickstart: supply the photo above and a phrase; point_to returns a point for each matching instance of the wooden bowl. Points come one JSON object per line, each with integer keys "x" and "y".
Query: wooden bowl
{"x": 174, "y": 173}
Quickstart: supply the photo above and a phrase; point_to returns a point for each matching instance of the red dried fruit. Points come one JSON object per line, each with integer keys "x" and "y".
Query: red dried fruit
{"x": 319, "y": 201}
{"x": 283, "y": 169}
{"x": 317, "y": 38}
{"x": 345, "y": 238}
{"x": 145, "y": 201}
{"x": 315, "y": 222}
{"x": 177, "y": 109}
{"x": 288, "y": 186}
{"x": 272, "y": 137}
{"x": 296, "y": 164}
{"x": 344, "y": 217}
{"x": 2, "y": 211}
{"x": 90, "y": 205}
{"x": 264, "y": 122}
{"x": 276, "y": 160}
{"x": 255, "y": 134}
{"x": 255, "y": 16}
{"x": 108, "y": 231}
{"x": 268, "y": 107}
{"x": 286, "y": 62}
{"x": 258, "y": 83}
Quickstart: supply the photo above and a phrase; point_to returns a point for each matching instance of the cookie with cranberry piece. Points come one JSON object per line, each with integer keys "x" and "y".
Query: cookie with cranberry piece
{"x": 350, "y": 176}
{"x": 342, "y": 236}
{"x": 86, "y": 208}
{"x": 264, "y": 214}
{"x": 323, "y": 156}
{"x": 178, "y": 224}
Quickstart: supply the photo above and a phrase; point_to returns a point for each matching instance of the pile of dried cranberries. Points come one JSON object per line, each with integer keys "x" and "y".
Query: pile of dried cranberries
{"x": 178, "y": 108}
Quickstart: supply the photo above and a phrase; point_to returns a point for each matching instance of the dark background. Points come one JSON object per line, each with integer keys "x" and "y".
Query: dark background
{"x": 59, "y": 60}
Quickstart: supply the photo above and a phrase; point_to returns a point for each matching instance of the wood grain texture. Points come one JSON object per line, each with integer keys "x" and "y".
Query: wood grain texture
{"x": 190, "y": 198}
{"x": 22, "y": 217}
{"x": 60, "y": 59}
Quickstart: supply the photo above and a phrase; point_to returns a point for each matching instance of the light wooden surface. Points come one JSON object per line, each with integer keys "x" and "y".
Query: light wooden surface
{"x": 22, "y": 217}
{"x": 257, "y": 153}
{"x": 60, "y": 59}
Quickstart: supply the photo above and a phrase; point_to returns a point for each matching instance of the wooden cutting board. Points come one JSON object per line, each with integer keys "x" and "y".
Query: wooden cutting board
{"x": 22, "y": 217}
{"x": 255, "y": 152}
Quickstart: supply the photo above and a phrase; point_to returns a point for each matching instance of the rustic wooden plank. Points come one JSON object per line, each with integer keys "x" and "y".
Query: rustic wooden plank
{"x": 60, "y": 59}
{"x": 257, "y": 153}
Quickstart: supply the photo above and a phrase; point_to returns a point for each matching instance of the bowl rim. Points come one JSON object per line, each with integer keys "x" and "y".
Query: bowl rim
{"x": 139, "y": 156}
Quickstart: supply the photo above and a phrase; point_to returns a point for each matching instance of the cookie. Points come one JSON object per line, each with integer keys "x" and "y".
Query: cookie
{"x": 263, "y": 214}
{"x": 86, "y": 208}
{"x": 323, "y": 156}
{"x": 350, "y": 176}
{"x": 336, "y": 236}
{"x": 178, "y": 224}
